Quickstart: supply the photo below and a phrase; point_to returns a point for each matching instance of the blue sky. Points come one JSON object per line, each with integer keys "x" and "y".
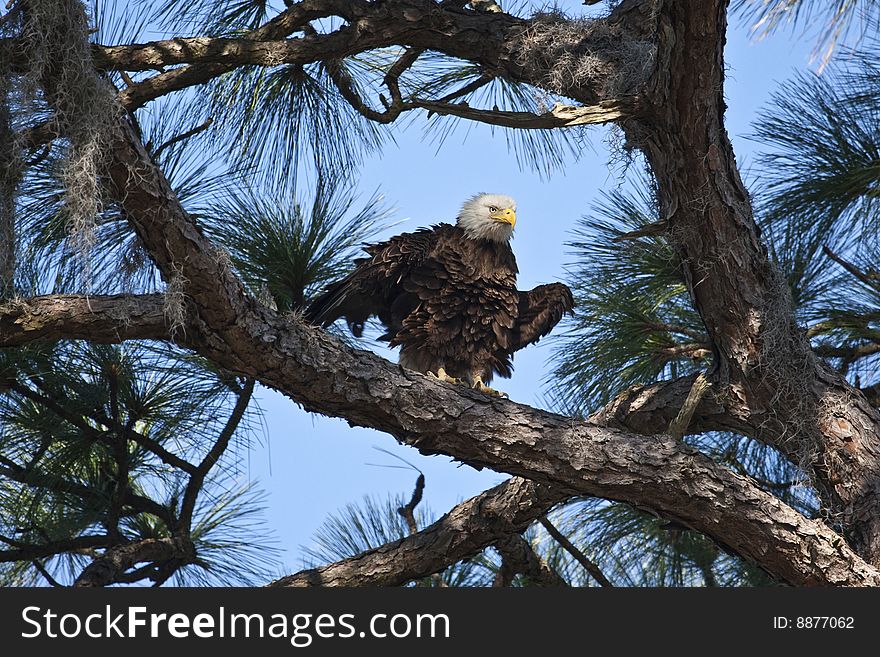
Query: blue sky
{"x": 311, "y": 466}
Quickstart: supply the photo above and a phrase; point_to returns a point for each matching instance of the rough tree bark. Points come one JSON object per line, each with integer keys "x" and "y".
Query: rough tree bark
{"x": 107, "y": 319}
{"x": 767, "y": 383}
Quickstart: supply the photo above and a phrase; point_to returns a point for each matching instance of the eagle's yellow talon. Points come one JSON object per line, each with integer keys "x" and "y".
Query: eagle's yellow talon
{"x": 482, "y": 387}
{"x": 441, "y": 375}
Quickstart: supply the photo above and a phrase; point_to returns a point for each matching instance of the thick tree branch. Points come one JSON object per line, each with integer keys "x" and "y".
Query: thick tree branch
{"x": 157, "y": 55}
{"x": 103, "y": 319}
{"x": 506, "y": 509}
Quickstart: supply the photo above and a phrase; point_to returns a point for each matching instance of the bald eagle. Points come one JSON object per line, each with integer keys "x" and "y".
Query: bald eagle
{"x": 447, "y": 296}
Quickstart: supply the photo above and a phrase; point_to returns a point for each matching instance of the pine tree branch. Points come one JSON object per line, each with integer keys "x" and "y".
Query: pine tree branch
{"x": 870, "y": 279}
{"x": 15, "y": 472}
{"x": 112, "y": 565}
{"x": 147, "y": 443}
{"x": 588, "y": 565}
{"x": 849, "y": 354}
{"x": 101, "y": 319}
{"x": 25, "y": 552}
{"x": 860, "y": 323}
{"x": 197, "y": 478}
{"x": 119, "y": 448}
{"x": 156, "y": 448}
{"x": 468, "y": 88}
{"x": 694, "y": 351}
{"x": 77, "y": 420}
{"x": 46, "y": 575}
{"x": 559, "y": 116}
{"x": 407, "y": 511}
{"x": 57, "y": 485}
{"x": 491, "y": 40}
{"x": 519, "y": 558}
{"x": 182, "y": 137}
{"x": 466, "y": 530}
{"x": 74, "y": 419}
{"x": 394, "y": 107}
{"x": 140, "y": 504}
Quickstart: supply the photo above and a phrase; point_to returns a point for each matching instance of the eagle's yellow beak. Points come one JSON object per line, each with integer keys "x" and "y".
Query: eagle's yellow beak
{"x": 507, "y": 215}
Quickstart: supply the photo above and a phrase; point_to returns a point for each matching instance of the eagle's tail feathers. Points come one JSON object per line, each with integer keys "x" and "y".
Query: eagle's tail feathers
{"x": 330, "y": 304}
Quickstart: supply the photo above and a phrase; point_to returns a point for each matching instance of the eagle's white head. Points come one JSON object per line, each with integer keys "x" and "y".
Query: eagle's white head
{"x": 488, "y": 217}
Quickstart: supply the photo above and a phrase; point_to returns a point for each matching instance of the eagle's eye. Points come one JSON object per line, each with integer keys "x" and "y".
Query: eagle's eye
{"x": 493, "y": 209}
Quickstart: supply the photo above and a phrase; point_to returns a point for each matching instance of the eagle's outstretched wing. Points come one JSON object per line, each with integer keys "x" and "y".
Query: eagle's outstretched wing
{"x": 540, "y": 310}
{"x": 374, "y": 286}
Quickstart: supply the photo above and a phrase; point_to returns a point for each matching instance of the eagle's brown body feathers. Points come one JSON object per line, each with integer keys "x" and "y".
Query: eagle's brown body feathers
{"x": 447, "y": 300}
